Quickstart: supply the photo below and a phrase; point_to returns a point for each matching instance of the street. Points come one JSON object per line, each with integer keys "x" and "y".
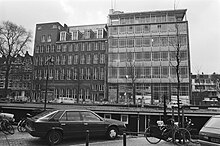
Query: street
{"x": 25, "y": 139}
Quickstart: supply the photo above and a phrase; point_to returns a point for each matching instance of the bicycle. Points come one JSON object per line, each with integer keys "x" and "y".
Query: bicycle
{"x": 194, "y": 132}
{"x": 22, "y": 123}
{"x": 170, "y": 132}
{"x": 6, "y": 127}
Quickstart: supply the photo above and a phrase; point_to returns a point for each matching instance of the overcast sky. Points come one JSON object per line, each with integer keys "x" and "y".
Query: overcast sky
{"x": 203, "y": 17}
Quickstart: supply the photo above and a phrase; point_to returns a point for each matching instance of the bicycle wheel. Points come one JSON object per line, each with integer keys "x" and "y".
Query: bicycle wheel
{"x": 153, "y": 134}
{"x": 182, "y": 136}
{"x": 21, "y": 125}
{"x": 167, "y": 135}
{"x": 7, "y": 127}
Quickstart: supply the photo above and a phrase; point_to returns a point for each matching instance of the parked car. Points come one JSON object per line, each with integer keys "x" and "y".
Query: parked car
{"x": 72, "y": 123}
{"x": 63, "y": 100}
{"x": 209, "y": 135}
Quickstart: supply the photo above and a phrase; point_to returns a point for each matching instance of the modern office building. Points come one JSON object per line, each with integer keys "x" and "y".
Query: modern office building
{"x": 142, "y": 56}
{"x": 70, "y": 61}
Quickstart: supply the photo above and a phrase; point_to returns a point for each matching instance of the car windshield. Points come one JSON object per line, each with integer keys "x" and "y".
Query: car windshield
{"x": 44, "y": 114}
{"x": 213, "y": 123}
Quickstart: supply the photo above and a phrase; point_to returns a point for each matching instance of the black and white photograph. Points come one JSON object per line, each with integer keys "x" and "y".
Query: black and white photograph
{"x": 109, "y": 72}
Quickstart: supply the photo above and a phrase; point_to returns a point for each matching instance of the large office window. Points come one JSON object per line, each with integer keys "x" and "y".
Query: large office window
{"x": 164, "y": 56}
{"x": 70, "y": 59}
{"x": 130, "y": 29}
{"x": 164, "y": 71}
{"x": 122, "y": 72}
{"x": 130, "y": 42}
{"x": 113, "y": 30}
{"x": 138, "y": 29}
{"x": 147, "y": 56}
{"x": 156, "y": 71}
{"x": 138, "y": 42}
{"x": 113, "y": 43}
{"x": 146, "y": 28}
{"x": 113, "y": 57}
{"x": 122, "y": 43}
{"x": 122, "y": 29}
{"x": 147, "y": 72}
{"x": 155, "y": 41}
{"x": 122, "y": 57}
{"x": 146, "y": 42}
{"x": 163, "y": 41}
{"x": 112, "y": 72}
{"x": 155, "y": 56}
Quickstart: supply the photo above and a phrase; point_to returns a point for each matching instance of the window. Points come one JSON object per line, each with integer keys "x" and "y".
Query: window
{"x": 95, "y": 73}
{"x": 155, "y": 56}
{"x": 155, "y": 42}
{"x": 43, "y": 38}
{"x": 113, "y": 43}
{"x": 124, "y": 118}
{"x": 122, "y": 57}
{"x": 112, "y": 72}
{"x": 146, "y": 42}
{"x": 95, "y": 59}
{"x": 138, "y": 29}
{"x": 102, "y": 58}
{"x": 164, "y": 71}
{"x": 58, "y": 48}
{"x": 113, "y": 30}
{"x": 122, "y": 29}
{"x": 156, "y": 72}
{"x": 146, "y": 28}
{"x": 70, "y": 58}
{"x": 147, "y": 56}
{"x": 101, "y": 73}
{"x": 64, "y": 48}
{"x": 76, "y": 59}
{"x": 113, "y": 57}
{"x": 130, "y": 29}
{"x": 49, "y": 38}
{"x": 82, "y": 59}
{"x": 122, "y": 72}
{"x": 154, "y": 28}
{"x": 138, "y": 56}
{"x": 163, "y": 28}
{"x": 71, "y": 116}
{"x": 122, "y": 43}
{"x": 164, "y": 56}
{"x": 163, "y": 41}
{"x": 63, "y": 62}
{"x": 100, "y": 33}
{"x": 130, "y": 42}
{"x": 63, "y": 36}
{"x": 107, "y": 116}
{"x": 183, "y": 72}
{"x": 88, "y": 116}
{"x": 138, "y": 42}
{"x": 88, "y": 59}
{"x": 183, "y": 55}
{"x": 68, "y": 74}
{"x": 52, "y": 48}
{"x": 75, "y": 35}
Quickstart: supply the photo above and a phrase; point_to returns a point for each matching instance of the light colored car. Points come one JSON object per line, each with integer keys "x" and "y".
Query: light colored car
{"x": 209, "y": 135}
{"x": 8, "y": 116}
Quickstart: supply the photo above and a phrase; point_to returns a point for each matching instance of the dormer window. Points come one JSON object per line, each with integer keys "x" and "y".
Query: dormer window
{"x": 43, "y": 38}
{"x": 63, "y": 36}
{"x": 49, "y": 38}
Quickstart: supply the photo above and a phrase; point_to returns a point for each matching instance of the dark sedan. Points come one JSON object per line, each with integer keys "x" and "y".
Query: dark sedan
{"x": 54, "y": 125}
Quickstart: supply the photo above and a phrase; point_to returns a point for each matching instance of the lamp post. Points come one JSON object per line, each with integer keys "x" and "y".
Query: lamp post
{"x": 47, "y": 77}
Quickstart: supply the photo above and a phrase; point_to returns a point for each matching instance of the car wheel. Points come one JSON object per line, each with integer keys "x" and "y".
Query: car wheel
{"x": 112, "y": 133}
{"x": 54, "y": 136}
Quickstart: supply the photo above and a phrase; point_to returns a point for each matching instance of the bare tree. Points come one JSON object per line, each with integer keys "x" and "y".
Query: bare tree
{"x": 177, "y": 43}
{"x": 14, "y": 40}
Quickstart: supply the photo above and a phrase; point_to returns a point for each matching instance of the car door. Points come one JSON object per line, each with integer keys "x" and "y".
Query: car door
{"x": 72, "y": 125}
{"x": 93, "y": 123}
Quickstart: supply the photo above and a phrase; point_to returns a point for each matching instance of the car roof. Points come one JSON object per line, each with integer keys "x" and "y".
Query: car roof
{"x": 81, "y": 110}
